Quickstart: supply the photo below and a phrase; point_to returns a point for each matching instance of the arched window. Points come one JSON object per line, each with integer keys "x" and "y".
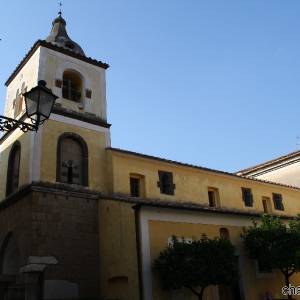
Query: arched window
{"x": 13, "y": 169}
{"x": 72, "y": 86}
{"x": 224, "y": 233}
{"x": 72, "y": 160}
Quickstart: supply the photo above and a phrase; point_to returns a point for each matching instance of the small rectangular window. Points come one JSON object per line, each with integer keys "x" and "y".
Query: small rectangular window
{"x": 135, "y": 187}
{"x": 277, "y": 200}
{"x": 266, "y": 205}
{"x": 247, "y": 197}
{"x": 165, "y": 183}
{"x": 213, "y": 197}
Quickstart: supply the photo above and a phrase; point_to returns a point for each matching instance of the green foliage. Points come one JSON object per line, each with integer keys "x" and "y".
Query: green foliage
{"x": 275, "y": 244}
{"x": 197, "y": 264}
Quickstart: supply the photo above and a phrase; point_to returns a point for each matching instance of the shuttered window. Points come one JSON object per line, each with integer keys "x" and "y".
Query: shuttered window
{"x": 247, "y": 197}
{"x": 277, "y": 200}
{"x": 165, "y": 183}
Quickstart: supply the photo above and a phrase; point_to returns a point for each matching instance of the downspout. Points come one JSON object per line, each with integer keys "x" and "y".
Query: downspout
{"x": 137, "y": 212}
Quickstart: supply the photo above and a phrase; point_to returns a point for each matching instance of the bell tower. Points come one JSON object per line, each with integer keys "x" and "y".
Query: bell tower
{"x": 70, "y": 147}
{"x": 78, "y": 81}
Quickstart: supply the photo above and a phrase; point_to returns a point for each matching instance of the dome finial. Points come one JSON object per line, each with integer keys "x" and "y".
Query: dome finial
{"x": 59, "y": 36}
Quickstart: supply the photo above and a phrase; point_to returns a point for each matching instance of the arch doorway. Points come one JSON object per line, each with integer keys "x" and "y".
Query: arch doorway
{"x": 9, "y": 256}
{"x": 9, "y": 270}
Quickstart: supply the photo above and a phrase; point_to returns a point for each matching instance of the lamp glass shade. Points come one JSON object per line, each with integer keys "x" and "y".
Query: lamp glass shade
{"x": 31, "y": 102}
{"x": 45, "y": 105}
{"x": 39, "y": 102}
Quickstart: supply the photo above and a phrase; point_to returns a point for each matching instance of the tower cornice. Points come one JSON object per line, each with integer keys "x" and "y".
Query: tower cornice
{"x": 43, "y": 43}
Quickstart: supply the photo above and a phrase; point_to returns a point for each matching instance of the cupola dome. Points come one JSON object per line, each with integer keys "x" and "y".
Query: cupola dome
{"x": 59, "y": 36}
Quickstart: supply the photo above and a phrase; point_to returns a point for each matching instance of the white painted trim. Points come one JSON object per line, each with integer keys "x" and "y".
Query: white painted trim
{"x": 36, "y": 161}
{"x": 82, "y": 124}
{"x": 179, "y": 216}
{"x": 30, "y": 169}
{"x": 75, "y": 122}
{"x": 146, "y": 257}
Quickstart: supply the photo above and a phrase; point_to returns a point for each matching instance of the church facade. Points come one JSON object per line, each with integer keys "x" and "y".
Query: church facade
{"x": 82, "y": 220}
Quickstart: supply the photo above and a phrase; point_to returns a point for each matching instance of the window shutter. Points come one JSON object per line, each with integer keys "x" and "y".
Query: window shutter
{"x": 247, "y": 197}
{"x": 165, "y": 183}
{"x": 277, "y": 200}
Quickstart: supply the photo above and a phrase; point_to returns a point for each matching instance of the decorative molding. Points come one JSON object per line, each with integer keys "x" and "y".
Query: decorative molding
{"x": 85, "y": 117}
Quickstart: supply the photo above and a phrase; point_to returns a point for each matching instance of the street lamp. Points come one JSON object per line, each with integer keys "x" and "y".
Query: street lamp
{"x": 39, "y": 102}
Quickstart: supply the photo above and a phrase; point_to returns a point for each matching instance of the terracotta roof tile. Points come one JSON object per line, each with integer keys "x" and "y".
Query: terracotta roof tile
{"x": 200, "y": 168}
{"x": 45, "y": 44}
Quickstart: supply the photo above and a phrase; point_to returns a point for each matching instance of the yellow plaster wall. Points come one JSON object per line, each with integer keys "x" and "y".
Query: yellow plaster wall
{"x": 118, "y": 254}
{"x": 96, "y": 150}
{"x": 192, "y": 184}
{"x": 5, "y": 147}
{"x": 160, "y": 231}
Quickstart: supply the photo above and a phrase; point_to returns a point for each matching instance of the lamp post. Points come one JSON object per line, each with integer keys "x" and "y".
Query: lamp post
{"x": 39, "y": 102}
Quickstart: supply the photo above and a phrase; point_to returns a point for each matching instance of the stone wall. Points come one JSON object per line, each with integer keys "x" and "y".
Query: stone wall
{"x": 56, "y": 221}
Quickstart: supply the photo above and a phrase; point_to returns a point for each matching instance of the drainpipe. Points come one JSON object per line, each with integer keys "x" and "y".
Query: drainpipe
{"x": 137, "y": 212}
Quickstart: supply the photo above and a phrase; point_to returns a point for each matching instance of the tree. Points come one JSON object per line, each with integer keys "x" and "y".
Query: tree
{"x": 197, "y": 265}
{"x": 275, "y": 244}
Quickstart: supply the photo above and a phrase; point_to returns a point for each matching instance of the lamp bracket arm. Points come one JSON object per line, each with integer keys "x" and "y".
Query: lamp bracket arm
{"x": 9, "y": 124}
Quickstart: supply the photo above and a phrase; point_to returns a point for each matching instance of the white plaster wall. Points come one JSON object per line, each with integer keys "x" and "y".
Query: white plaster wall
{"x": 52, "y": 66}
{"x": 29, "y": 75}
{"x": 288, "y": 174}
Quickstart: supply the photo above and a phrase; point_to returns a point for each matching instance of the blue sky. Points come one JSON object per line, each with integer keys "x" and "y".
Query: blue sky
{"x": 213, "y": 83}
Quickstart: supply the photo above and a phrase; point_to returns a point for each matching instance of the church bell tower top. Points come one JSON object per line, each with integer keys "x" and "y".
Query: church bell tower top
{"x": 59, "y": 36}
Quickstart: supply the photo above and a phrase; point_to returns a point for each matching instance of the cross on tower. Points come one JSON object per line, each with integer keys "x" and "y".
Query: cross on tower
{"x": 60, "y": 6}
